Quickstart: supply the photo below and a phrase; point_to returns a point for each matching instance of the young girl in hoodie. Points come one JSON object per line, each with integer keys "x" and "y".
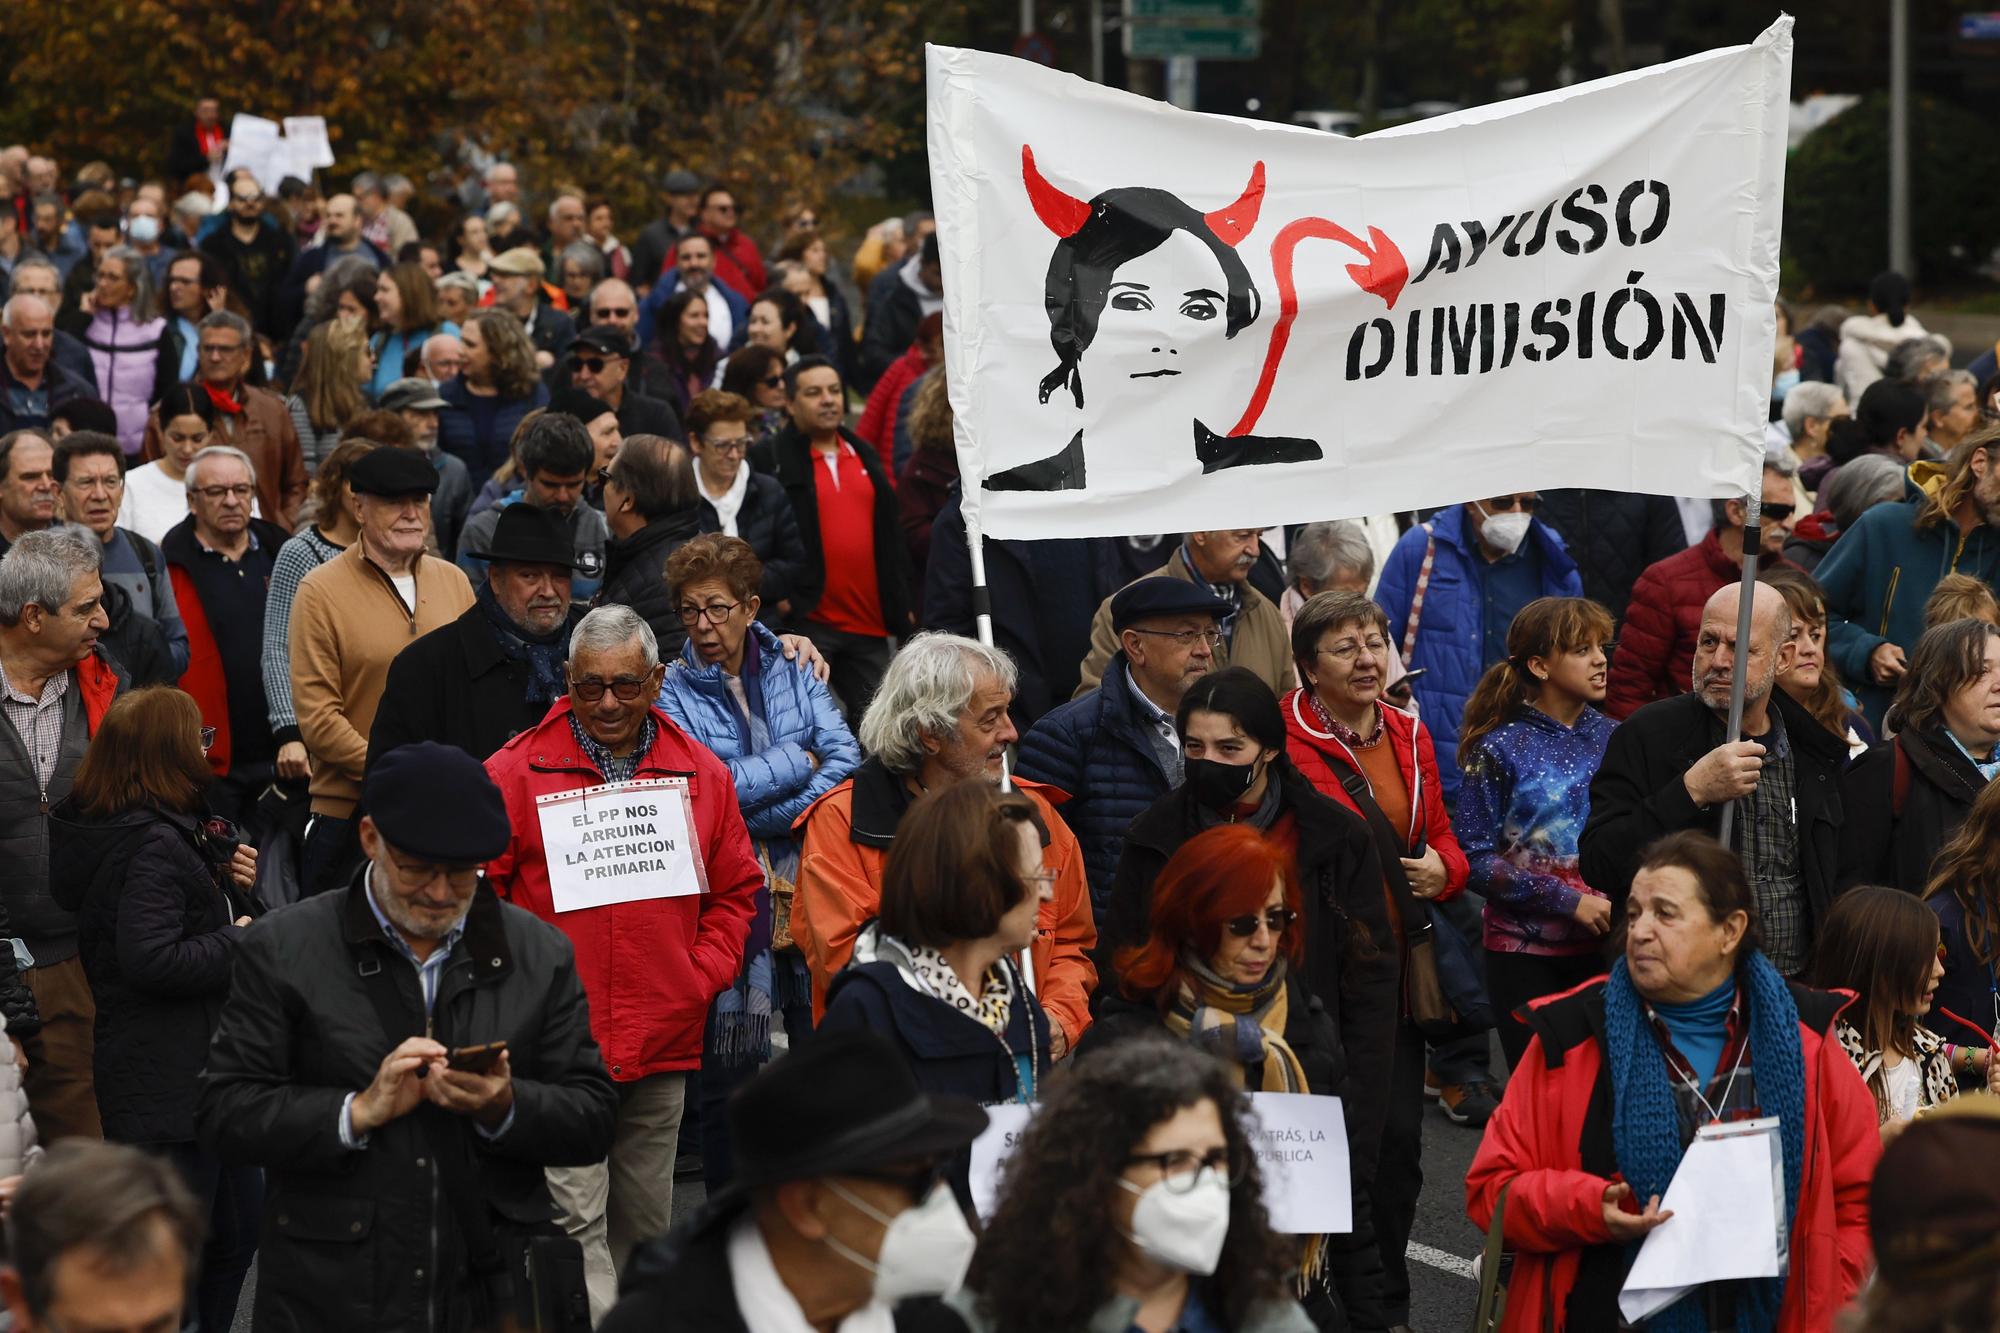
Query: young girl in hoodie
{"x": 1529, "y": 745}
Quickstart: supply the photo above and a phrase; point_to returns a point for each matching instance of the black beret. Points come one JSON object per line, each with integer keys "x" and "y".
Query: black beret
{"x": 436, "y": 802}
{"x": 606, "y": 338}
{"x": 1163, "y": 596}
{"x": 392, "y": 472}
{"x": 574, "y": 402}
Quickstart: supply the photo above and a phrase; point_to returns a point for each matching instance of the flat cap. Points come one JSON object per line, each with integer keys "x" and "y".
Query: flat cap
{"x": 606, "y": 338}
{"x": 520, "y": 262}
{"x": 681, "y": 181}
{"x": 392, "y": 472}
{"x": 412, "y": 394}
{"x": 1162, "y": 596}
{"x": 436, "y": 802}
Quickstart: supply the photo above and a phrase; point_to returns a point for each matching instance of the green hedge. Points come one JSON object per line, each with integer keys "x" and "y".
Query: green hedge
{"x": 1837, "y": 195}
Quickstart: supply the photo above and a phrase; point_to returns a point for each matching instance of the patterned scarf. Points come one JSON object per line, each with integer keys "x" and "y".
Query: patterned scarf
{"x": 543, "y": 653}
{"x": 1345, "y": 734}
{"x": 992, "y": 1007}
{"x": 1240, "y": 1025}
{"x": 1645, "y": 1127}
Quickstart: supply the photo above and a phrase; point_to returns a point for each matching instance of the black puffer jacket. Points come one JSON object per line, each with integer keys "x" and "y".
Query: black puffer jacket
{"x": 1614, "y": 535}
{"x": 1880, "y": 844}
{"x": 155, "y": 932}
{"x": 368, "y": 1237}
{"x": 766, "y": 523}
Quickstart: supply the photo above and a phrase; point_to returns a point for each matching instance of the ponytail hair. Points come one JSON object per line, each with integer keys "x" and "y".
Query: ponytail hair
{"x": 1546, "y": 627}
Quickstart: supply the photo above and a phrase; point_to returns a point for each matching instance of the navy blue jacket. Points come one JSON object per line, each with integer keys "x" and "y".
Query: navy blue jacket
{"x": 456, "y": 436}
{"x": 1970, "y": 989}
{"x": 1098, "y": 751}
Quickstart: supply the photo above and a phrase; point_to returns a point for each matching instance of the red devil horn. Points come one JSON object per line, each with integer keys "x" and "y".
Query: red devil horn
{"x": 1233, "y": 223}
{"x": 1060, "y": 213}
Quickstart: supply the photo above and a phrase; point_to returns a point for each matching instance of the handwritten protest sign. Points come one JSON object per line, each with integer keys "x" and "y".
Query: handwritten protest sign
{"x": 1301, "y": 1147}
{"x": 620, "y": 843}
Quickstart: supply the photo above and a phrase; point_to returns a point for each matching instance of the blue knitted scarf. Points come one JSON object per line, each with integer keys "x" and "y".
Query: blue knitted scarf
{"x": 1645, "y": 1127}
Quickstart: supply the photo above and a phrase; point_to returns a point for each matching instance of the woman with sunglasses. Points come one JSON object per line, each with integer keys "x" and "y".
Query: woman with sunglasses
{"x": 1217, "y": 971}
{"x": 1907, "y": 796}
{"x": 162, "y": 893}
{"x": 1134, "y": 1201}
{"x": 1884, "y": 945}
{"x": 756, "y": 374}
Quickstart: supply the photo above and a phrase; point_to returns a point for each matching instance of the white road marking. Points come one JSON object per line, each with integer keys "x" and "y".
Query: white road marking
{"x": 1440, "y": 1259}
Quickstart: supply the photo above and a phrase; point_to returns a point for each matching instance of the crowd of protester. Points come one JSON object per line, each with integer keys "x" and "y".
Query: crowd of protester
{"x": 336, "y": 558}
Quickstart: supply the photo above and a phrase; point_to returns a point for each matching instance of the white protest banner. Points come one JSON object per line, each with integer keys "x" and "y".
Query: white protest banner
{"x": 307, "y": 135}
{"x": 1301, "y": 1147}
{"x": 252, "y": 140}
{"x": 620, "y": 843}
{"x": 1159, "y": 321}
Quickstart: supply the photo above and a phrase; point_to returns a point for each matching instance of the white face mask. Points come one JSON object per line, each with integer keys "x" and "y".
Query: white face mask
{"x": 145, "y": 229}
{"x": 1505, "y": 532}
{"x": 925, "y": 1251}
{"x": 1183, "y": 1231}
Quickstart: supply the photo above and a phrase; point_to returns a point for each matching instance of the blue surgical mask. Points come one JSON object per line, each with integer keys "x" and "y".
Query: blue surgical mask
{"x": 1783, "y": 385}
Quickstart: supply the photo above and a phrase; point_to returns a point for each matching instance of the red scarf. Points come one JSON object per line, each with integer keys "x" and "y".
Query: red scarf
{"x": 223, "y": 400}
{"x": 206, "y": 137}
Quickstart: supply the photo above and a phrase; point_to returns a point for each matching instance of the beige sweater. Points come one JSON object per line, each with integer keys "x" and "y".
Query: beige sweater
{"x": 348, "y": 624}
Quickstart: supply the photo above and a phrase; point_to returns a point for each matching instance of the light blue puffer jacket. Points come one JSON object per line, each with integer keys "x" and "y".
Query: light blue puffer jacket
{"x": 774, "y": 784}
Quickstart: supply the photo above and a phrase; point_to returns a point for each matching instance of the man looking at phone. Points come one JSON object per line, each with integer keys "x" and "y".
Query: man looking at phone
{"x": 659, "y": 930}
{"x": 332, "y": 1068}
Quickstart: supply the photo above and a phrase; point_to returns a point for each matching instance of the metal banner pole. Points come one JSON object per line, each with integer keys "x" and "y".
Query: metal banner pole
{"x": 982, "y": 616}
{"x": 1744, "y": 604}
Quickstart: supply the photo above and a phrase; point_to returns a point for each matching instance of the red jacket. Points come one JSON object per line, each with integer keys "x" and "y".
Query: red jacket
{"x": 649, "y": 968}
{"x": 1306, "y": 740}
{"x": 1536, "y": 1144}
{"x": 203, "y": 678}
{"x": 98, "y": 680}
{"x": 738, "y": 263}
{"x": 878, "y": 418}
{"x": 1655, "y": 657}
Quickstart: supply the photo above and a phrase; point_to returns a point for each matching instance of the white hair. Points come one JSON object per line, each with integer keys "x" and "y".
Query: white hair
{"x": 7, "y": 311}
{"x": 927, "y": 686}
{"x": 1813, "y": 398}
{"x": 606, "y": 629}
{"x": 42, "y": 568}
{"x": 219, "y": 451}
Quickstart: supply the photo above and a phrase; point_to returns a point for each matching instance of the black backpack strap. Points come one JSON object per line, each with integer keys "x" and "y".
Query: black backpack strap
{"x": 1416, "y": 921}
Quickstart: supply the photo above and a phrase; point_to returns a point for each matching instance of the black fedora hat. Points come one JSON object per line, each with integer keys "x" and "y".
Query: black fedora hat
{"x": 843, "y": 1102}
{"x": 529, "y": 535}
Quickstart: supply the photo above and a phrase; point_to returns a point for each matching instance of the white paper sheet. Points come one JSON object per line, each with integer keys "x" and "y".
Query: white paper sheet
{"x": 307, "y": 135}
{"x": 1725, "y": 1219}
{"x": 251, "y": 139}
{"x": 620, "y": 843}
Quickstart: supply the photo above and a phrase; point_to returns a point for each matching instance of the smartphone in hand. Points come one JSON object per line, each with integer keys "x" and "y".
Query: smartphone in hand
{"x": 476, "y": 1059}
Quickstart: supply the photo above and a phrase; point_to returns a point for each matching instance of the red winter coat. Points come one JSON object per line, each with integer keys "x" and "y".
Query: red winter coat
{"x": 878, "y": 418}
{"x": 737, "y": 263}
{"x": 649, "y": 968}
{"x": 1655, "y": 657}
{"x": 1305, "y": 739}
{"x": 1538, "y": 1140}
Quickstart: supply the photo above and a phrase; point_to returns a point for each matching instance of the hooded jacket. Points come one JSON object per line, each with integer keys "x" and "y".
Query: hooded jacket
{"x": 847, "y": 836}
{"x": 1550, "y": 1143}
{"x": 1451, "y": 625}
{"x": 1887, "y": 841}
{"x": 1865, "y": 344}
{"x": 156, "y": 935}
{"x": 1882, "y": 570}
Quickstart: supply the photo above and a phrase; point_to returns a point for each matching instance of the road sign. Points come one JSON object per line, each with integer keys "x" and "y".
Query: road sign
{"x": 1164, "y": 42}
{"x": 1198, "y": 29}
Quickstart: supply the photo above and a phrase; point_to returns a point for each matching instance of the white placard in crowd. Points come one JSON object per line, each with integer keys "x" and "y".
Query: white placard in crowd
{"x": 1301, "y": 1146}
{"x": 1159, "y": 321}
{"x": 1726, "y": 1197}
{"x": 251, "y": 139}
{"x": 307, "y": 135}
{"x": 256, "y": 145}
{"x": 620, "y": 843}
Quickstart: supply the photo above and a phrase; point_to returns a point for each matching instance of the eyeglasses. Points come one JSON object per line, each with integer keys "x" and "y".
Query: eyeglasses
{"x": 219, "y": 349}
{"x": 1776, "y": 513}
{"x": 739, "y": 445}
{"x": 715, "y": 613}
{"x": 590, "y": 689}
{"x": 1043, "y": 880}
{"x": 772, "y": 381}
{"x": 1348, "y": 649}
{"x": 221, "y": 492}
{"x": 246, "y": 198}
{"x": 1279, "y": 919}
{"x": 1182, "y": 1170}
{"x": 416, "y": 874}
{"x": 208, "y": 735}
{"x": 605, "y": 314}
{"x": 1501, "y": 504}
{"x": 1184, "y": 637}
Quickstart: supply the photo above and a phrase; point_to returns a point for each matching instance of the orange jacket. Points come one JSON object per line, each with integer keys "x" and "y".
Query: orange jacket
{"x": 840, "y": 890}
{"x": 1555, "y": 1208}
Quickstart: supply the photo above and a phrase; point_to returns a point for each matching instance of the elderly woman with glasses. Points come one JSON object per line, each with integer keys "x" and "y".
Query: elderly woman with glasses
{"x": 775, "y": 725}
{"x": 1218, "y": 969}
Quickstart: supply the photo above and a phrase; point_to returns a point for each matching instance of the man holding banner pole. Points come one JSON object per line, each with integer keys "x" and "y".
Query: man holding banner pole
{"x": 626, "y": 835}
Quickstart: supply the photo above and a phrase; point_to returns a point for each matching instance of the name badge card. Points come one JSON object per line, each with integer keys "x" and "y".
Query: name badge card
{"x": 623, "y": 842}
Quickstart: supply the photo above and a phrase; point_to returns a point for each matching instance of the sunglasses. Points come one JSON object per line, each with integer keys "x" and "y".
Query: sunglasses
{"x": 1279, "y": 919}
{"x": 608, "y": 313}
{"x": 1776, "y": 513}
{"x": 594, "y": 364}
{"x": 1502, "y": 504}
{"x": 772, "y": 382}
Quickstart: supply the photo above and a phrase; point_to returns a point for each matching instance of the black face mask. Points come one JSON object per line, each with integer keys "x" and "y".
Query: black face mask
{"x": 1217, "y": 785}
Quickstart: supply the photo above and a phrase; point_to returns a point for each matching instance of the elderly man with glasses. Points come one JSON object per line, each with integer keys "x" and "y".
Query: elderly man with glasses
{"x": 625, "y": 833}
{"x": 246, "y": 417}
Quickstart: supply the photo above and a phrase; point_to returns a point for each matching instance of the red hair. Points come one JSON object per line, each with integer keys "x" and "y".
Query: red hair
{"x": 1221, "y": 873}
